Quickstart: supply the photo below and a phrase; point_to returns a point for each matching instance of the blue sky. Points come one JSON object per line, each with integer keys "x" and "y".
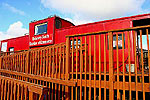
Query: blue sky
{"x": 15, "y": 15}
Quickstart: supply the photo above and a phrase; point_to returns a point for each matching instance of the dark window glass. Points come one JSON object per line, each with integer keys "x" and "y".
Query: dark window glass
{"x": 41, "y": 29}
{"x": 58, "y": 23}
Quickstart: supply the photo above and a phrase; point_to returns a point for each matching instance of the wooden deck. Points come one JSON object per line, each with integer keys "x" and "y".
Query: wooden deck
{"x": 82, "y": 68}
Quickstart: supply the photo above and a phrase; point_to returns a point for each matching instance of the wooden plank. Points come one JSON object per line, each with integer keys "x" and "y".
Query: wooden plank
{"x": 14, "y": 90}
{"x": 8, "y": 93}
{"x": 22, "y": 92}
{"x": 59, "y": 76}
{"x": 105, "y": 66}
{"x": 147, "y": 35}
{"x": 76, "y": 67}
{"x": 94, "y": 67}
{"x": 72, "y": 93}
{"x": 37, "y": 77}
{"x": 5, "y": 89}
{"x": 81, "y": 67}
{"x": 123, "y": 65}
{"x": 56, "y": 70}
{"x": 67, "y": 70}
{"x": 11, "y": 94}
{"x": 2, "y": 88}
{"x": 85, "y": 87}
{"x": 111, "y": 78}
{"x": 100, "y": 67}
{"x": 90, "y": 64}
{"x": 135, "y": 58}
{"x": 18, "y": 91}
{"x": 118, "y": 94}
{"x": 142, "y": 64}
{"x": 129, "y": 62}
{"x": 30, "y": 95}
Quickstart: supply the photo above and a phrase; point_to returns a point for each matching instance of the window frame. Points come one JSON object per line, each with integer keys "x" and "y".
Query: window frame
{"x": 40, "y": 25}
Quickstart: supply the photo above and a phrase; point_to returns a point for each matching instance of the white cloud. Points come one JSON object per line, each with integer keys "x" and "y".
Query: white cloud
{"x": 77, "y": 21}
{"x": 16, "y": 29}
{"x": 95, "y": 9}
{"x": 13, "y": 9}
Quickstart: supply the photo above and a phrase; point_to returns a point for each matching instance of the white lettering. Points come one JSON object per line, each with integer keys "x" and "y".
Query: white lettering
{"x": 40, "y": 37}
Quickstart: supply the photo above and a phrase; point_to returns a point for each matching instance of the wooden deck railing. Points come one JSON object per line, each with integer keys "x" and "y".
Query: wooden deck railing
{"x": 92, "y": 66}
{"x": 13, "y": 89}
{"x": 111, "y": 66}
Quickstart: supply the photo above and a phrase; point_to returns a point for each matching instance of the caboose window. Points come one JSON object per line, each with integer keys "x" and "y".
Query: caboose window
{"x": 41, "y": 29}
{"x": 119, "y": 41}
{"x": 4, "y": 47}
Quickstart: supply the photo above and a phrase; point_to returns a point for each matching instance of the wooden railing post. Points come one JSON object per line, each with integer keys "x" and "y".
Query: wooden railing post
{"x": 27, "y": 62}
{"x": 111, "y": 91}
{"x": 0, "y": 62}
{"x": 67, "y": 70}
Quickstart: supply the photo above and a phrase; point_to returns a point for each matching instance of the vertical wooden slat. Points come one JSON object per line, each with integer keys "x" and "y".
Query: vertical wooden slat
{"x": 135, "y": 58}
{"x": 50, "y": 64}
{"x": 47, "y": 58}
{"x": 2, "y": 88}
{"x": 18, "y": 91}
{"x": 5, "y": 89}
{"x": 63, "y": 71}
{"x": 41, "y": 62}
{"x": 25, "y": 91}
{"x": 38, "y": 68}
{"x": 22, "y": 92}
{"x": 105, "y": 66}
{"x": 123, "y": 65}
{"x": 14, "y": 91}
{"x": 72, "y": 66}
{"x": 33, "y": 64}
{"x": 67, "y": 66}
{"x": 85, "y": 88}
{"x": 142, "y": 65}
{"x": 76, "y": 66}
{"x": 35, "y": 71}
{"x": 30, "y": 95}
{"x": 147, "y": 31}
{"x": 129, "y": 62}
{"x": 56, "y": 70}
{"x": 59, "y": 76}
{"x": 90, "y": 64}
{"x": 21, "y": 62}
{"x": 8, "y": 93}
{"x": 53, "y": 72}
{"x": 11, "y": 94}
{"x": 44, "y": 58}
{"x": 111, "y": 91}
{"x": 81, "y": 67}
{"x": 99, "y": 67}
{"x": 118, "y": 95}
{"x": 94, "y": 67}
{"x": 27, "y": 62}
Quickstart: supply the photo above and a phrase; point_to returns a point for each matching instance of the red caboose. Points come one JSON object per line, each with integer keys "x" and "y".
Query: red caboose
{"x": 53, "y": 30}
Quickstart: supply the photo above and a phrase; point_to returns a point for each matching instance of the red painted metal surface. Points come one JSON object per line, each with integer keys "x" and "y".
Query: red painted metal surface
{"x": 57, "y": 35}
{"x": 18, "y": 43}
{"x": 49, "y": 37}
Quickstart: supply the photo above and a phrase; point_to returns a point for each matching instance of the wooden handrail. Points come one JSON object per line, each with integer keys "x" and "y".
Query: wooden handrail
{"x": 31, "y": 87}
{"x": 42, "y": 78}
